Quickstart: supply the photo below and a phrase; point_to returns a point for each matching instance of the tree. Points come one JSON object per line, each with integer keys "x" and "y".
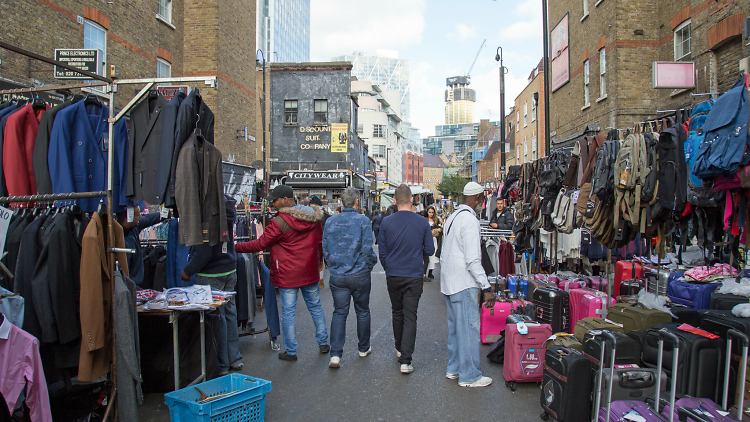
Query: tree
{"x": 452, "y": 186}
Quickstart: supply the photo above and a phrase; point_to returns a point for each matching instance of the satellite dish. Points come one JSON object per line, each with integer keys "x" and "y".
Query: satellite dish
{"x": 257, "y": 165}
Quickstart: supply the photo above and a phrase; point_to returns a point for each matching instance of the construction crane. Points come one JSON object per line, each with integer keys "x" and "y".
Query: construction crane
{"x": 475, "y": 58}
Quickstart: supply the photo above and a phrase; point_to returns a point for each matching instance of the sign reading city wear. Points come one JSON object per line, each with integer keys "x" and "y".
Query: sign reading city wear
{"x": 171, "y": 90}
{"x": 80, "y": 58}
{"x": 316, "y": 178}
{"x": 339, "y": 137}
{"x": 560, "y": 55}
{"x": 5, "y": 215}
{"x": 674, "y": 75}
{"x": 380, "y": 176}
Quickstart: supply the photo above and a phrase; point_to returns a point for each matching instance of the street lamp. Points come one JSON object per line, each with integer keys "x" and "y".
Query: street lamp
{"x": 387, "y": 166}
{"x": 547, "y": 76}
{"x": 262, "y": 62}
{"x": 503, "y": 71}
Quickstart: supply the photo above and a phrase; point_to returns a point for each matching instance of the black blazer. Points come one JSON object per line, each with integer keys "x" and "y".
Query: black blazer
{"x": 166, "y": 147}
{"x": 143, "y": 160}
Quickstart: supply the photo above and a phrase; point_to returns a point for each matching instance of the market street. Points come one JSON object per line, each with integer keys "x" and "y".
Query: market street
{"x": 372, "y": 388}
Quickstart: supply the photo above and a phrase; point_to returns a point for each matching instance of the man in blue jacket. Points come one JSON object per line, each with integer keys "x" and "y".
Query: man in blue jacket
{"x": 347, "y": 247}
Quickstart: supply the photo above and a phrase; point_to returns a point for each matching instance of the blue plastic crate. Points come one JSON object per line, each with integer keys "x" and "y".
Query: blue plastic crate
{"x": 246, "y": 401}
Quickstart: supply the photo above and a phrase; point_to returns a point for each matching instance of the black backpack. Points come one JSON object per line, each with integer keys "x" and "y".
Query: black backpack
{"x": 648, "y": 189}
{"x": 603, "y": 177}
{"x": 497, "y": 351}
{"x": 672, "y": 174}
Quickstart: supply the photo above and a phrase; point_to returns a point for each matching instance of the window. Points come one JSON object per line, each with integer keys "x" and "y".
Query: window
{"x": 533, "y": 146}
{"x": 379, "y": 151}
{"x": 94, "y": 36}
{"x": 533, "y": 110}
{"x": 290, "y": 112}
{"x": 165, "y": 10}
{"x": 585, "y": 8}
{"x": 525, "y": 149}
{"x": 518, "y": 119}
{"x": 360, "y": 128}
{"x": 377, "y": 131}
{"x": 163, "y": 68}
{"x": 586, "y": 100}
{"x": 602, "y": 73}
{"x": 321, "y": 112}
{"x": 682, "y": 41}
{"x": 525, "y": 114}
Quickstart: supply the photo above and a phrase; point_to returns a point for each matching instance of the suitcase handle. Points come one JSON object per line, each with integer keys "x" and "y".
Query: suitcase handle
{"x": 743, "y": 368}
{"x": 683, "y": 413}
{"x": 664, "y": 333}
{"x": 608, "y": 337}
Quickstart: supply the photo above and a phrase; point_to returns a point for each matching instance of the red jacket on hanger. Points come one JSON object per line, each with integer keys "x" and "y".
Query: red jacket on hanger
{"x": 18, "y": 149}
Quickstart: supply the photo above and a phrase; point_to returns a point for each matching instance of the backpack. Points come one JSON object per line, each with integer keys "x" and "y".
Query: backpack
{"x": 723, "y": 148}
{"x": 630, "y": 174}
{"x": 603, "y": 177}
{"x": 564, "y": 216}
{"x": 697, "y": 194}
{"x": 497, "y": 351}
{"x": 671, "y": 174}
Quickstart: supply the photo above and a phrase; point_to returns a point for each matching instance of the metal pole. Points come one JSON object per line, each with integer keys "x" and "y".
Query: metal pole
{"x": 547, "y": 75}
{"x": 263, "y": 123}
{"x": 499, "y": 57}
{"x": 110, "y": 229}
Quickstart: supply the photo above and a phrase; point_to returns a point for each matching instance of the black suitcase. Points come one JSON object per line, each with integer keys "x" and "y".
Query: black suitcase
{"x": 726, "y": 302}
{"x": 719, "y": 322}
{"x": 685, "y": 315}
{"x": 699, "y": 362}
{"x": 628, "y": 348}
{"x": 553, "y": 308}
{"x": 566, "y": 385}
{"x": 516, "y": 318}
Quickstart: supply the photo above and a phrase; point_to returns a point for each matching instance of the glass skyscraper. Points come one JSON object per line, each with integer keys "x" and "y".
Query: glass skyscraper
{"x": 390, "y": 74}
{"x": 283, "y": 30}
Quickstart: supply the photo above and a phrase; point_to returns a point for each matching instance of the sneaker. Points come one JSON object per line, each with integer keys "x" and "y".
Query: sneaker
{"x": 237, "y": 367}
{"x": 365, "y": 353}
{"x": 406, "y": 368}
{"x": 451, "y": 376}
{"x": 335, "y": 362}
{"x": 287, "y": 356}
{"x": 481, "y": 382}
{"x": 324, "y": 348}
{"x": 398, "y": 354}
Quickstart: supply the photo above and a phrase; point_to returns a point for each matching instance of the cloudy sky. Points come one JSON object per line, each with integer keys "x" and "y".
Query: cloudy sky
{"x": 440, "y": 38}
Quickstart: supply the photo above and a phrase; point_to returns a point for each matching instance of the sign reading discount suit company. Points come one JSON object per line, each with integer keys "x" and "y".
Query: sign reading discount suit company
{"x": 339, "y": 137}
{"x": 84, "y": 59}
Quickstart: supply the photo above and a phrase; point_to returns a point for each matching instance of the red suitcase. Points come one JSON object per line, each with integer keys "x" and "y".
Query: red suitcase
{"x": 524, "y": 353}
{"x": 585, "y": 303}
{"x": 625, "y": 270}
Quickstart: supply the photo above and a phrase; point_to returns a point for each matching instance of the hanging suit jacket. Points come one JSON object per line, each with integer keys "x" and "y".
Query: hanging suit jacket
{"x": 41, "y": 146}
{"x": 166, "y": 146}
{"x": 18, "y": 150}
{"x": 96, "y": 297}
{"x": 146, "y": 120}
{"x": 3, "y": 121}
{"x": 199, "y": 193}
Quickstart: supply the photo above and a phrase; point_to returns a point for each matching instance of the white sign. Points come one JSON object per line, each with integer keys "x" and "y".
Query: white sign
{"x": 673, "y": 75}
{"x": 5, "y": 215}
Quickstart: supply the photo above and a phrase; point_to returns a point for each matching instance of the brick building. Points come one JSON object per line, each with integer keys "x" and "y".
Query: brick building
{"x": 146, "y": 39}
{"x": 602, "y": 55}
{"x": 413, "y": 168}
{"x": 434, "y": 168}
{"x": 528, "y": 118}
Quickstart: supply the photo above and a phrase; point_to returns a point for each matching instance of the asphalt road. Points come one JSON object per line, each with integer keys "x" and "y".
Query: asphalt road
{"x": 372, "y": 388}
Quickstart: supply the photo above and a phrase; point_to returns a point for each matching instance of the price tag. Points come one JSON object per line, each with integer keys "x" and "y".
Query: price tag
{"x": 224, "y": 248}
{"x": 131, "y": 214}
{"x": 164, "y": 212}
{"x": 634, "y": 416}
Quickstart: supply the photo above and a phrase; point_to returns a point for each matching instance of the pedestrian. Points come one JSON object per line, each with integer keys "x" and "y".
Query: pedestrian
{"x": 437, "y": 231}
{"x": 404, "y": 239}
{"x": 365, "y": 212}
{"x": 502, "y": 218}
{"x": 347, "y": 247}
{"x": 322, "y": 264}
{"x": 294, "y": 236}
{"x": 382, "y": 211}
{"x": 216, "y": 266}
{"x": 377, "y": 219}
{"x": 132, "y": 230}
{"x": 462, "y": 281}
{"x": 390, "y": 211}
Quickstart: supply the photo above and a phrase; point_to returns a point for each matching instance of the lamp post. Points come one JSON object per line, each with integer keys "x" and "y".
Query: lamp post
{"x": 547, "y": 76}
{"x": 503, "y": 70}
{"x": 387, "y": 166}
{"x": 263, "y": 121}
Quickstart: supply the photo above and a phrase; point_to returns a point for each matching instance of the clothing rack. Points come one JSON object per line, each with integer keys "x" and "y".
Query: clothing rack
{"x": 111, "y": 87}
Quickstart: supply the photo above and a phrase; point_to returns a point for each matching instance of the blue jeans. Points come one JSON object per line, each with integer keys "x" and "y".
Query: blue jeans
{"x": 228, "y": 340}
{"x": 463, "y": 334}
{"x": 288, "y": 297}
{"x": 343, "y": 290}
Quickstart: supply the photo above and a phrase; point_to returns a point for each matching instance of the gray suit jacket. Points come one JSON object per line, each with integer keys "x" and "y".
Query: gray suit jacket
{"x": 145, "y": 138}
{"x": 166, "y": 147}
{"x": 129, "y": 394}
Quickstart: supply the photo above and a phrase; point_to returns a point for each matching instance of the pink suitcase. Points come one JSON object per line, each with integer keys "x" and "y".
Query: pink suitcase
{"x": 573, "y": 283}
{"x": 524, "y": 354}
{"x": 584, "y": 303}
{"x": 598, "y": 283}
{"x": 492, "y": 321}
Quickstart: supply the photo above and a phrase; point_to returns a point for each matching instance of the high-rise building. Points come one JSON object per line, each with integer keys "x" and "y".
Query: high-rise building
{"x": 283, "y": 30}
{"x": 385, "y": 70}
{"x": 459, "y": 100}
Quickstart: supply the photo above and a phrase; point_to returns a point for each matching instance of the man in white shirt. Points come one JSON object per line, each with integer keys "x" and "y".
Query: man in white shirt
{"x": 462, "y": 280}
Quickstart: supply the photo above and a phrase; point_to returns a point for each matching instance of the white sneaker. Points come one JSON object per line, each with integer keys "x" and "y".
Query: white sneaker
{"x": 451, "y": 376}
{"x": 335, "y": 362}
{"x": 364, "y": 354}
{"x": 406, "y": 368}
{"x": 398, "y": 354}
{"x": 481, "y": 382}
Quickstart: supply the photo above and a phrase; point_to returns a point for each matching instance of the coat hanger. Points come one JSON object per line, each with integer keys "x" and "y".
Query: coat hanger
{"x": 198, "y": 133}
{"x": 92, "y": 99}
{"x": 102, "y": 210}
{"x": 38, "y": 102}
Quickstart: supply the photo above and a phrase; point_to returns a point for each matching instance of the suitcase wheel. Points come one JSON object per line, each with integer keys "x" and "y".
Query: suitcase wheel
{"x": 544, "y": 416}
{"x": 511, "y": 385}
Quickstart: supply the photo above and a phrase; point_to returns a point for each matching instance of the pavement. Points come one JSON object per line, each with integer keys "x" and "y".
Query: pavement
{"x": 373, "y": 388}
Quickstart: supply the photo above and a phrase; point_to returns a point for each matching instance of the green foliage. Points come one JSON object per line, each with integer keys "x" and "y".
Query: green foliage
{"x": 452, "y": 186}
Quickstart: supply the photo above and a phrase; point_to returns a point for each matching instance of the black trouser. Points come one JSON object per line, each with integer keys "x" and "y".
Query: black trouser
{"x": 405, "y": 293}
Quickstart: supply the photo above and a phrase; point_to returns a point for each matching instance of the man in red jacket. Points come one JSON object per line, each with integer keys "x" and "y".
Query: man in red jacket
{"x": 294, "y": 236}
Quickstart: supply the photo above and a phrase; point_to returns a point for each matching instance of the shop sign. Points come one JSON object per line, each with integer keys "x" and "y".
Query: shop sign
{"x": 298, "y": 178}
{"x": 301, "y": 191}
{"x": 380, "y": 176}
{"x": 169, "y": 91}
{"x": 674, "y": 75}
{"x": 5, "y": 215}
{"x": 339, "y": 137}
{"x": 560, "y": 55}
{"x": 318, "y": 192}
{"x": 80, "y": 58}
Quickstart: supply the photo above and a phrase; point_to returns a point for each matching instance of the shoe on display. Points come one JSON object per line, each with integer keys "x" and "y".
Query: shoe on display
{"x": 324, "y": 348}
{"x": 335, "y": 362}
{"x": 365, "y": 353}
{"x": 406, "y": 368}
{"x": 287, "y": 356}
{"x": 481, "y": 382}
{"x": 451, "y": 376}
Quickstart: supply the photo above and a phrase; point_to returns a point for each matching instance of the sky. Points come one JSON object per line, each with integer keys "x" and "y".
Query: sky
{"x": 441, "y": 39}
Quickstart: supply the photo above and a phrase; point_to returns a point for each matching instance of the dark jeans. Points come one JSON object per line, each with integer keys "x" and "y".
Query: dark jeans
{"x": 375, "y": 232}
{"x": 405, "y": 293}
{"x": 343, "y": 290}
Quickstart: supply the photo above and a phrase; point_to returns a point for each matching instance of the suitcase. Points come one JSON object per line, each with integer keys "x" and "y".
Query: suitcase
{"x": 524, "y": 353}
{"x": 699, "y": 361}
{"x": 630, "y": 287}
{"x": 530, "y": 285}
{"x": 593, "y": 323}
{"x": 708, "y": 409}
{"x": 719, "y": 323}
{"x": 513, "y": 283}
{"x": 499, "y": 284}
{"x": 565, "y": 385}
{"x": 693, "y": 295}
{"x": 628, "y": 349}
{"x": 516, "y": 318}
{"x": 685, "y": 315}
{"x": 492, "y": 321}
{"x": 723, "y": 301}
{"x": 635, "y": 317}
{"x": 570, "y": 284}
{"x": 598, "y": 283}
{"x": 625, "y": 270}
{"x": 564, "y": 340}
{"x": 553, "y": 308}
{"x": 585, "y": 303}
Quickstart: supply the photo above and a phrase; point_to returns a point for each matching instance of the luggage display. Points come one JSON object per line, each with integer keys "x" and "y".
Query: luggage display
{"x": 657, "y": 281}
{"x": 530, "y": 285}
{"x": 699, "y": 360}
{"x": 693, "y": 295}
{"x": 552, "y": 307}
{"x": 565, "y": 385}
{"x": 625, "y": 270}
{"x": 685, "y": 315}
{"x": 635, "y": 317}
{"x": 570, "y": 284}
{"x": 564, "y": 340}
{"x": 492, "y": 321}
{"x": 593, "y": 323}
{"x": 723, "y": 301}
{"x": 598, "y": 283}
{"x": 524, "y": 353}
{"x": 630, "y": 287}
{"x": 585, "y": 303}
{"x": 628, "y": 349}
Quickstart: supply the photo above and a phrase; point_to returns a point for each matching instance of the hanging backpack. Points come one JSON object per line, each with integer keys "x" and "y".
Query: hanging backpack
{"x": 630, "y": 173}
{"x": 697, "y": 194}
{"x": 671, "y": 174}
{"x": 603, "y": 177}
